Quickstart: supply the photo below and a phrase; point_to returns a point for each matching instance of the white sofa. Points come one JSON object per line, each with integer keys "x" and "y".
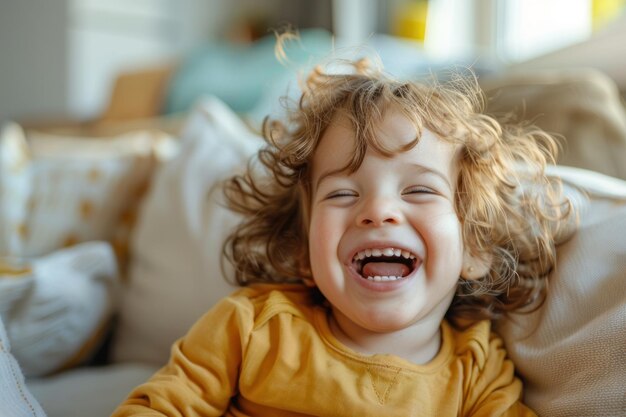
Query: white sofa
{"x": 570, "y": 352}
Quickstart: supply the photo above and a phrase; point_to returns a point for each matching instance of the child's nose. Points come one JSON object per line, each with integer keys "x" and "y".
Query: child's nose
{"x": 378, "y": 212}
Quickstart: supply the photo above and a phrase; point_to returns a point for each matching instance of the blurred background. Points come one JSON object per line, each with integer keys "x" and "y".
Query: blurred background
{"x": 60, "y": 59}
{"x": 119, "y": 120}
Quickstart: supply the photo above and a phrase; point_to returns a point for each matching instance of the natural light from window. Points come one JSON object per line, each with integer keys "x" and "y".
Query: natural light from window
{"x": 528, "y": 28}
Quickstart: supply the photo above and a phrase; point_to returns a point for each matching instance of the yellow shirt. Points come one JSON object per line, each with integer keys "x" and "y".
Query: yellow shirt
{"x": 267, "y": 350}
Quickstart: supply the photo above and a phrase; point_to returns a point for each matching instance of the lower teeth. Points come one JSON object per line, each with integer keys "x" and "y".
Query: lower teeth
{"x": 382, "y": 279}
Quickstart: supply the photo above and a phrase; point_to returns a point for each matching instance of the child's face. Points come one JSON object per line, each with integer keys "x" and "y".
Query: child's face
{"x": 404, "y": 203}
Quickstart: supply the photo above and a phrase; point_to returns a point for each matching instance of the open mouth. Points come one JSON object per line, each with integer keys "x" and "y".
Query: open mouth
{"x": 387, "y": 264}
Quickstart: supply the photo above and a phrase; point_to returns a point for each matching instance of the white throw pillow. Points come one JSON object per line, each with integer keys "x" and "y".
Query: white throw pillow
{"x": 175, "y": 273}
{"x": 571, "y": 353}
{"x": 16, "y": 280}
{"x": 61, "y": 319}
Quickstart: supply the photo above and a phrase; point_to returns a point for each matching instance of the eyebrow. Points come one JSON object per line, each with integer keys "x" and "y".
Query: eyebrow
{"x": 329, "y": 173}
{"x": 428, "y": 170}
{"x": 421, "y": 168}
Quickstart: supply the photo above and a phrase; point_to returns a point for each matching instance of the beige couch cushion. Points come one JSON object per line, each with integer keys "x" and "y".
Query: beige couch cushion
{"x": 571, "y": 352}
{"x": 583, "y": 106}
{"x": 93, "y": 392}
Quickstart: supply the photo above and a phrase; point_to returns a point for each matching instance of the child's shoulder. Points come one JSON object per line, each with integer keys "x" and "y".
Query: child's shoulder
{"x": 476, "y": 339}
{"x": 265, "y": 300}
{"x": 273, "y": 293}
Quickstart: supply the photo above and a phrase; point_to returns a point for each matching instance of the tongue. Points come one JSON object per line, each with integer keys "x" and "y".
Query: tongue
{"x": 385, "y": 269}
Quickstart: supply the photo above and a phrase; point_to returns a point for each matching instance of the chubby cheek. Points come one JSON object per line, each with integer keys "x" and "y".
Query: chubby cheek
{"x": 320, "y": 238}
{"x": 325, "y": 233}
{"x": 444, "y": 247}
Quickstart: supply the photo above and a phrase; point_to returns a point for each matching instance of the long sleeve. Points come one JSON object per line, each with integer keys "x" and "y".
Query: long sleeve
{"x": 492, "y": 387}
{"x": 201, "y": 376}
{"x": 269, "y": 350}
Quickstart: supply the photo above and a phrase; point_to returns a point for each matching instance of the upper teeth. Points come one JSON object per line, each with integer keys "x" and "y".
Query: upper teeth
{"x": 383, "y": 252}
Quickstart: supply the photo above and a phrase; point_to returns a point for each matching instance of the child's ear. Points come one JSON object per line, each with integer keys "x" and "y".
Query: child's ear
{"x": 475, "y": 267}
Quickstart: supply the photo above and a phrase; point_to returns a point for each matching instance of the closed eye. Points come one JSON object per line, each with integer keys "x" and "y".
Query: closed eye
{"x": 419, "y": 190}
{"x": 341, "y": 193}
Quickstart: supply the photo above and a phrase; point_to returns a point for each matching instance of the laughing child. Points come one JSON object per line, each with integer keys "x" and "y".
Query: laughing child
{"x": 395, "y": 223}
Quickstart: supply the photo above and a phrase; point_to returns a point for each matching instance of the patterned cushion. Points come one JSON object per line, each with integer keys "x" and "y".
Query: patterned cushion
{"x": 57, "y": 191}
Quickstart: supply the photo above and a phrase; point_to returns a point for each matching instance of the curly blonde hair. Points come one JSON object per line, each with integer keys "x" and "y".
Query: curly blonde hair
{"x": 510, "y": 211}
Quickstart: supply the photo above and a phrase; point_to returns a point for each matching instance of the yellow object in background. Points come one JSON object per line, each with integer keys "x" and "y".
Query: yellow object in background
{"x": 410, "y": 20}
{"x": 604, "y": 11}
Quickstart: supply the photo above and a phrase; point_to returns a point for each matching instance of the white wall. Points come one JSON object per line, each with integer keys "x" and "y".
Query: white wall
{"x": 107, "y": 37}
{"x": 33, "y": 58}
{"x": 531, "y": 28}
{"x": 59, "y": 58}
{"x": 603, "y": 51}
